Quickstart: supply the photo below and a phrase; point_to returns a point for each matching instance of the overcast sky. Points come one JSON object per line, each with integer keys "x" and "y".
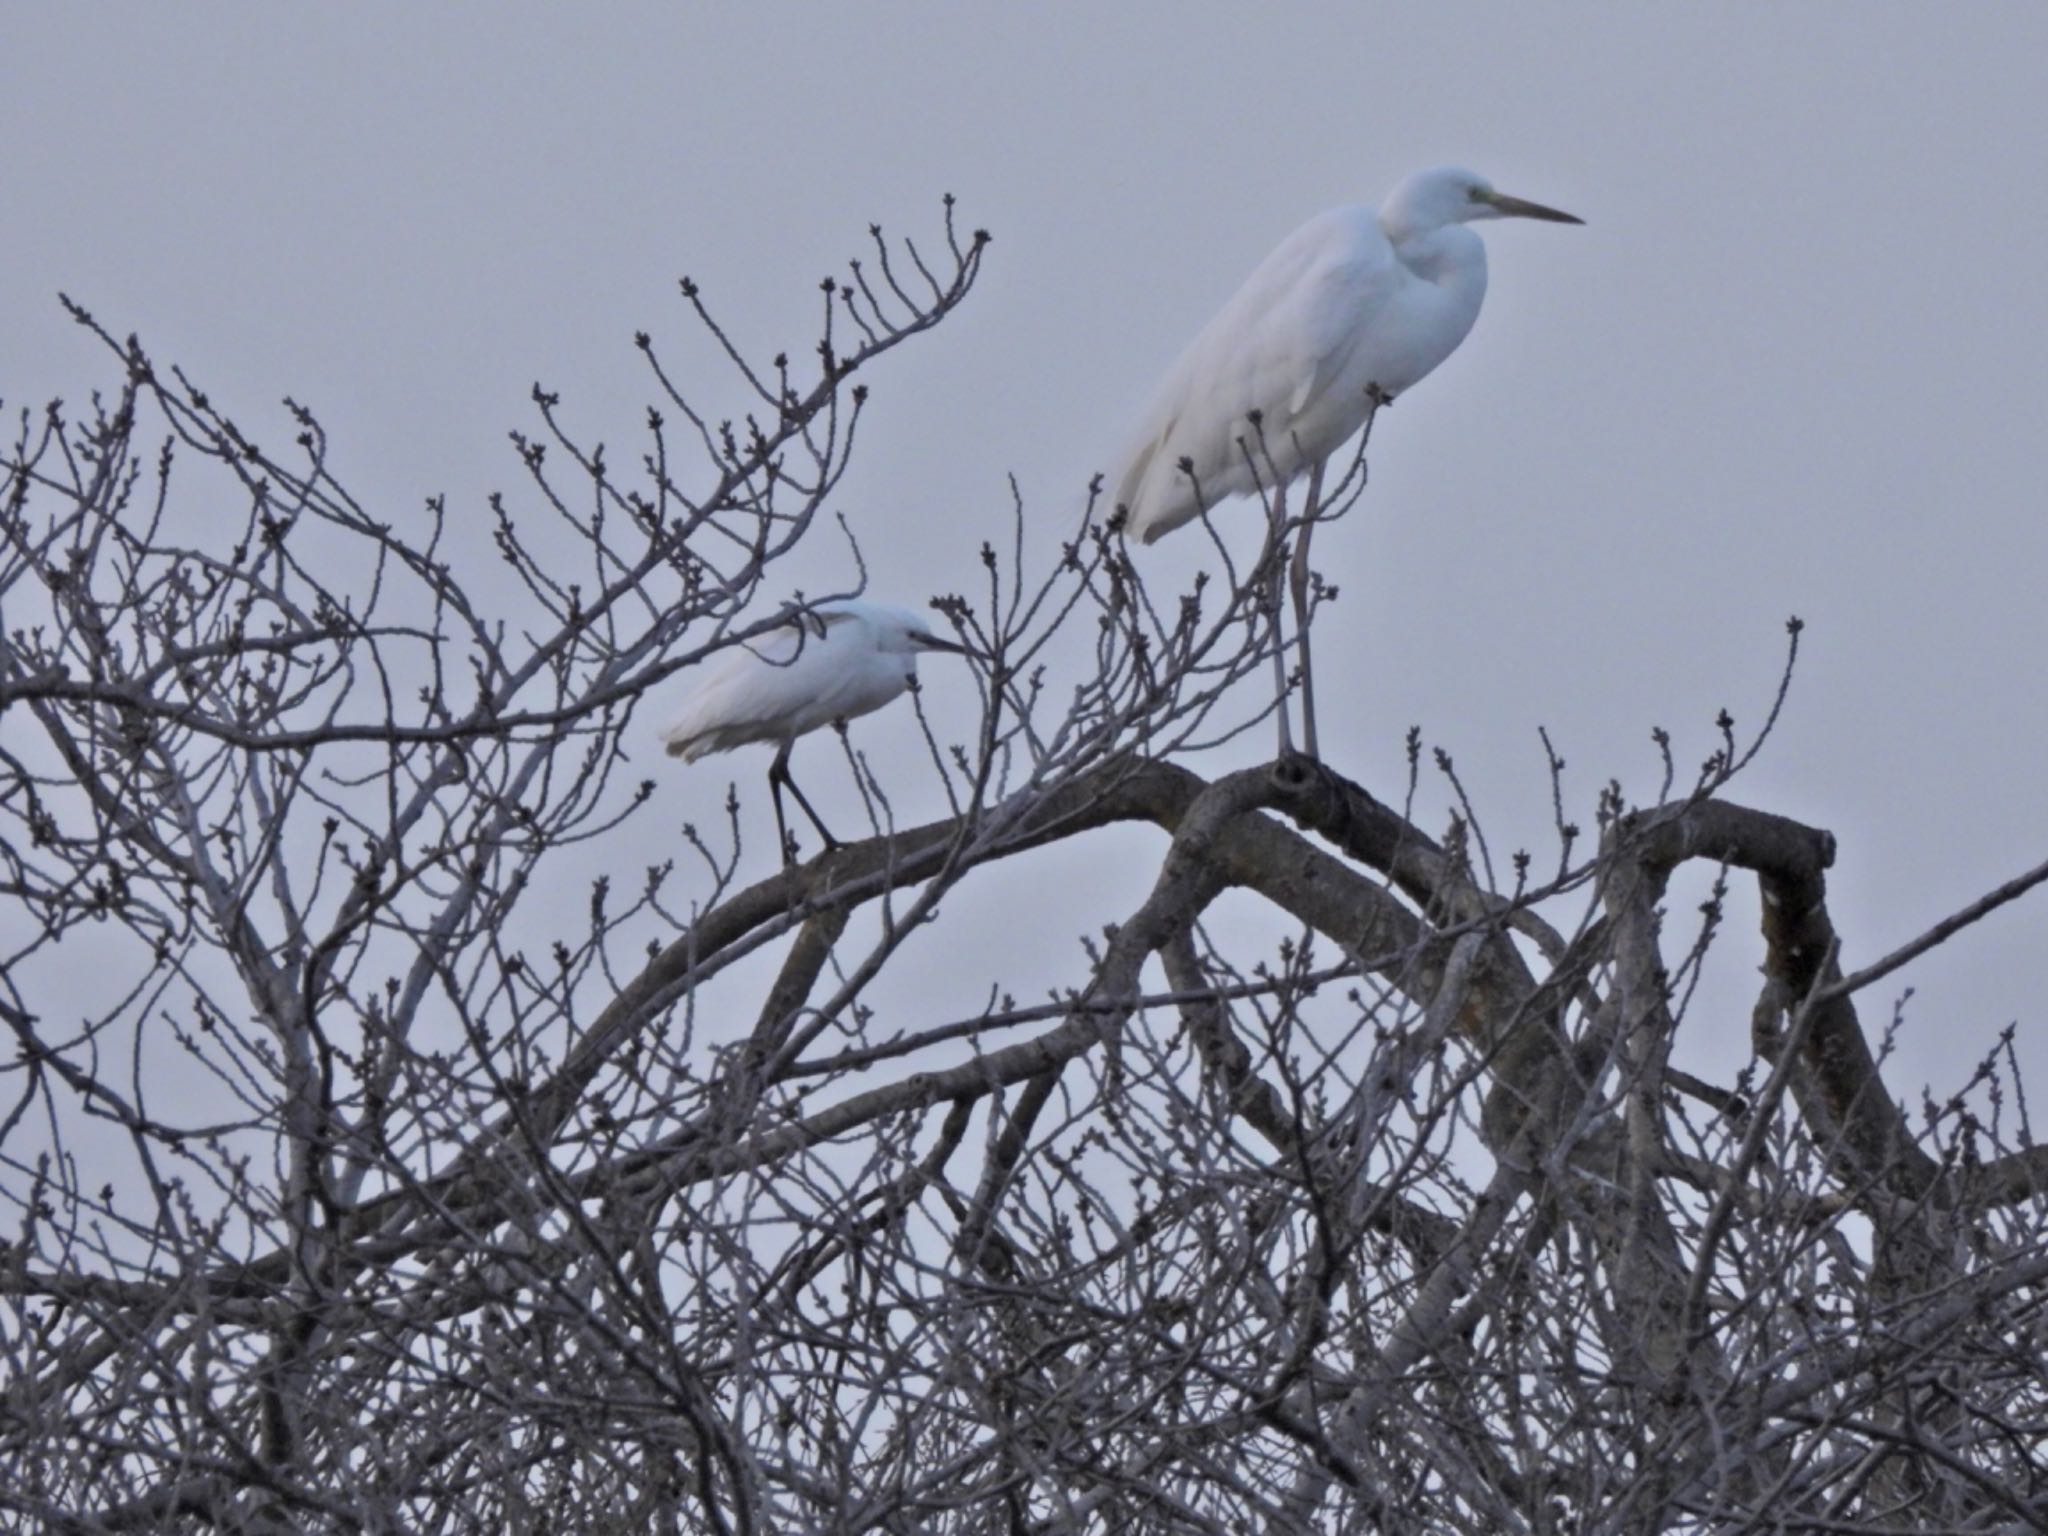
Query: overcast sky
{"x": 1793, "y": 364}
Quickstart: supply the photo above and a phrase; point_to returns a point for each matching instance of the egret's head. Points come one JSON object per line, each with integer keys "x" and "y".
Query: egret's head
{"x": 900, "y": 631}
{"x": 1450, "y": 194}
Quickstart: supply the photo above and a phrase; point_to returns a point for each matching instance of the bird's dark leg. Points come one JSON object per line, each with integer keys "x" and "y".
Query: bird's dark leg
{"x": 1279, "y": 540}
{"x": 1299, "y": 576}
{"x": 779, "y": 777}
{"x": 1298, "y": 580}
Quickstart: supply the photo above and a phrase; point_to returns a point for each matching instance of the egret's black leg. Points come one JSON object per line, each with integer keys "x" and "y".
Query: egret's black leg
{"x": 780, "y": 776}
{"x": 1273, "y": 603}
{"x": 1298, "y": 580}
{"x": 1300, "y": 576}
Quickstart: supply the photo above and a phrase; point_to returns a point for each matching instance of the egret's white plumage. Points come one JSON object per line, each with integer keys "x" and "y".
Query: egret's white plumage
{"x": 839, "y": 660}
{"x": 1352, "y": 301}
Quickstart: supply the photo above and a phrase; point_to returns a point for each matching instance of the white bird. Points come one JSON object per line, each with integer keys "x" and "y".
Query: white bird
{"x": 1349, "y": 311}
{"x": 827, "y": 665}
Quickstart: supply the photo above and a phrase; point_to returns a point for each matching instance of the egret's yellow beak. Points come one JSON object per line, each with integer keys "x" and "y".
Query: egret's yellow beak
{"x": 1522, "y": 208}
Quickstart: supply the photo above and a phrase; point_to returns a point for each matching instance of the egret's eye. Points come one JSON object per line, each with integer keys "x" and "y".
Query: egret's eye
{"x": 1476, "y": 194}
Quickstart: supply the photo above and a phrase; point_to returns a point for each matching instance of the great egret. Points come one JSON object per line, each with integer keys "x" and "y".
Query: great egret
{"x": 830, "y": 663}
{"x": 1351, "y": 310}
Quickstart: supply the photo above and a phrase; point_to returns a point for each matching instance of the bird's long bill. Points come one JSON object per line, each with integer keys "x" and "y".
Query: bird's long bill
{"x": 934, "y": 643}
{"x": 1522, "y": 208}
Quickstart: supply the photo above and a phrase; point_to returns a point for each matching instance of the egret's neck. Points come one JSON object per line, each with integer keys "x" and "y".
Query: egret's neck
{"x": 1450, "y": 256}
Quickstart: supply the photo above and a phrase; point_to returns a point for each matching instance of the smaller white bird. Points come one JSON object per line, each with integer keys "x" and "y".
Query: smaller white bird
{"x": 830, "y": 663}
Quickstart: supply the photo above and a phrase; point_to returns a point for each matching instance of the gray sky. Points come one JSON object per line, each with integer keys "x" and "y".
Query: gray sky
{"x": 1790, "y": 366}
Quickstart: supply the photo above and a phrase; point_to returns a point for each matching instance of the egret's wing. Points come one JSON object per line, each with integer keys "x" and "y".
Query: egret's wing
{"x": 763, "y": 689}
{"x": 1275, "y": 348}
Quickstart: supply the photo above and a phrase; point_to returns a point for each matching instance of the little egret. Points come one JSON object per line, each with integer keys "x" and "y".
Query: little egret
{"x": 1348, "y": 312}
{"x": 830, "y": 663}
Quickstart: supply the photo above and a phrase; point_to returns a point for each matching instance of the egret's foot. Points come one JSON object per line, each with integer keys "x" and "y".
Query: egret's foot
{"x": 793, "y": 853}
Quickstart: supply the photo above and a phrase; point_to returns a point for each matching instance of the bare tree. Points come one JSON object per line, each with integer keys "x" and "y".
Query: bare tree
{"x": 379, "y": 1155}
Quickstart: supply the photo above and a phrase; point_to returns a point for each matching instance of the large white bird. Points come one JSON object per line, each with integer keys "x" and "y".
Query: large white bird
{"x": 827, "y": 665}
{"x": 1351, "y": 310}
